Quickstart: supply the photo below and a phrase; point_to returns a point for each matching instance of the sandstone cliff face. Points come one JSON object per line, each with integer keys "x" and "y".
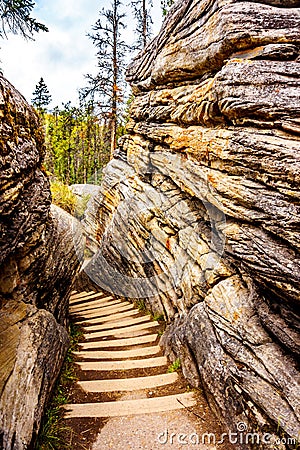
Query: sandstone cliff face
{"x": 38, "y": 260}
{"x": 199, "y": 210}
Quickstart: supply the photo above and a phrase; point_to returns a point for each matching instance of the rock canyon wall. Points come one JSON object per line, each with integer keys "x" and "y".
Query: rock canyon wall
{"x": 39, "y": 257}
{"x": 198, "y": 213}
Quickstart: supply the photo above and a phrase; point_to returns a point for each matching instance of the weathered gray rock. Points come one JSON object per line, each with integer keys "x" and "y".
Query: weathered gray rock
{"x": 198, "y": 38}
{"x": 199, "y": 210}
{"x": 87, "y": 210}
{"x": 40, "y": 349}
{"x": 40, "y": 250}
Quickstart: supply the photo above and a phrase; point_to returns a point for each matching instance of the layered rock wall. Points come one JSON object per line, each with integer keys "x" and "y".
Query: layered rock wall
{"x": 199, "y": 209}
{"x": 39, "y": 257}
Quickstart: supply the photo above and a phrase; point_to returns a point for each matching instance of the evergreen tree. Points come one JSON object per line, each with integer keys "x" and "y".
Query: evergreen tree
{"x": 15, "y": 17}
{"x": 41, "y": 96}
{"x": 166, "y": 5}
{"x": 105, "y": 89}
{"x": 141, "y": 9}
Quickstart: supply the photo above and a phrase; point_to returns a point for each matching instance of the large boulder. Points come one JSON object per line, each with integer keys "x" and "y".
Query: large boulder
{"x": 199, "y": 209}
{"x": 40, "y": 253}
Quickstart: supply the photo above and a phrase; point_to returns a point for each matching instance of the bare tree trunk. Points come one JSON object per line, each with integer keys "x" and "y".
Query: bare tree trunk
{"x": 113, "y": 141}
{"x": 144, "y": 23}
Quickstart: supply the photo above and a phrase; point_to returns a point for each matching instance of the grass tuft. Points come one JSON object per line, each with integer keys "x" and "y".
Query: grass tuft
{"x": 175, "y": 366}
{"x": 140, "y": 304}
{"x": 158, "y": 317}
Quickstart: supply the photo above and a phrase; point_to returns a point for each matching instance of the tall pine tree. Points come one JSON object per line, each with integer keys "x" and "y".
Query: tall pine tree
{"x": 16, "y": 17}
{"x": 141, "y": 9}
{"x": 41, "y": 96}
{"x": 105, "y": 88}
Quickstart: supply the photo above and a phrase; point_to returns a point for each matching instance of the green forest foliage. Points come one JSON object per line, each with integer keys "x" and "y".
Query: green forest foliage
{"x": 77, "y": 145}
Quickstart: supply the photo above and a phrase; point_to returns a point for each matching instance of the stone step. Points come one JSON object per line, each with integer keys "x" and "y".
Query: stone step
{"x": 131, "y": 334}
{"x": 121, "y": 332}
{"x": 95, "y": 304}
{"x": 102, "y": 312}
{"x": 128, "y": 384}
{"x": 140, "y": 340}
{"x": 111, "y": 317}
{"x": 93, "y": 296}
{"x": 130, "y": 407}
{"x": 130, "y": 364}
{"x": 135, "y": 353}
{"x": 80, "y": 295}
{"x": 117, "y": 324}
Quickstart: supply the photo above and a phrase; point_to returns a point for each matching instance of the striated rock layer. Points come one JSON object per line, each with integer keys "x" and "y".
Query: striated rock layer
{"x": 199, "y": 209}
{"x": 38, "y": 261}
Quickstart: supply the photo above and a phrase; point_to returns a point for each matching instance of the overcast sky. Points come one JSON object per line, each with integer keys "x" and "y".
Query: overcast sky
{"x": 64, "y": 55}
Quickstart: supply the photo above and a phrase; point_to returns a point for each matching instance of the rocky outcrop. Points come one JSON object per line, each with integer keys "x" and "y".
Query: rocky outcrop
{"x": 86, "y": 211}
{"x": 199, "y": 209}
{"x": 40, "y": 251}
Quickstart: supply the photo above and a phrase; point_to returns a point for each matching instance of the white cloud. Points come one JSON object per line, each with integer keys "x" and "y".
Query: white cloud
{"x": 64, "y": 55}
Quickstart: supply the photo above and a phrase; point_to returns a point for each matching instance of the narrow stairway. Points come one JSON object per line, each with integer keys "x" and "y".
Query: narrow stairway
{"x": 119, "y": 354}
{"x": 125, "y": 397}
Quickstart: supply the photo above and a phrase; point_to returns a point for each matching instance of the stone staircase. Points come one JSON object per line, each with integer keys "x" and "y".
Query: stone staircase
{"x": 120, "y": 356}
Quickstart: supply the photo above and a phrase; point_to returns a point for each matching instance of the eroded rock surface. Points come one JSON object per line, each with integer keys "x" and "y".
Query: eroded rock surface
{"x": 199, "y": 210}
{"x": 39, "y": 257}
{"x": 86, "y": 211}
